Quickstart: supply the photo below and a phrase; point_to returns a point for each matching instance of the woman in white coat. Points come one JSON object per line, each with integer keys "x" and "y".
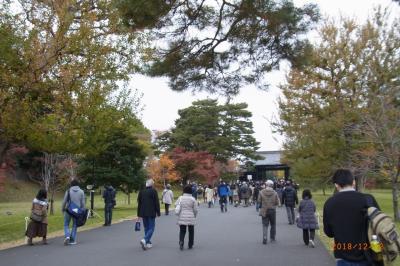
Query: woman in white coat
{"x": 209, "y": 195}
{"x": 167, "y": 198}
{"x": 187, "y": 212}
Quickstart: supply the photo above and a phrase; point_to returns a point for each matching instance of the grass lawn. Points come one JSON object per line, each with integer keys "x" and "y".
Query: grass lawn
{"x": 384, "y": 198}
{"x": 12, "y": 216}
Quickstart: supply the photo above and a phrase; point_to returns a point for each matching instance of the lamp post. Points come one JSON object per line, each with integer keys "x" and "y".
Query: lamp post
{"x": 91, "y": 193}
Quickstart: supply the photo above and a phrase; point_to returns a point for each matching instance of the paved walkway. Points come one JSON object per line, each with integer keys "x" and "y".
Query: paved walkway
{"x": 232, "y": 238}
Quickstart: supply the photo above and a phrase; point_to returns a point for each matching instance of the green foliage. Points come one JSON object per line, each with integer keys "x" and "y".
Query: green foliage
{"x": 220, "y": 46}
{"x": 225, "y": 131}
{"x": 333, "y": 107}
{"x": 138, "y": 14}
{"x": 60, "y": 64}
{"x": 120, "y": 164}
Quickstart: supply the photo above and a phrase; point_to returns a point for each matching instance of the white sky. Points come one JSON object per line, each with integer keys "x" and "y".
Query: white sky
{"x": 162, "y": 104}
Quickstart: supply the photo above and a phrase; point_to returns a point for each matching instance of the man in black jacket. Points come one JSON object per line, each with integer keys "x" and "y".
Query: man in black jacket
{"x": 344, "y": 220}
{"x": 109, "y": 203}
{"x": 290, "y": 199}
{"x": 148, "y": 209}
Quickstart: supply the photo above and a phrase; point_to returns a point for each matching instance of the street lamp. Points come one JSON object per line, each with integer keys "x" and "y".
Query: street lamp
{"x": 91, "y": 191}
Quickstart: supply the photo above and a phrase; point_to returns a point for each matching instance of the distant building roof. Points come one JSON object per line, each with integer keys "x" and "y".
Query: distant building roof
{"x": 270, "y": 158}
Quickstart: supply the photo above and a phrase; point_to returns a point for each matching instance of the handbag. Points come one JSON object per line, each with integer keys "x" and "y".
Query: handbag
{"x": 80, "y": 214}
{"x": 178, "y": 207}
{"x": 137, "y": 226}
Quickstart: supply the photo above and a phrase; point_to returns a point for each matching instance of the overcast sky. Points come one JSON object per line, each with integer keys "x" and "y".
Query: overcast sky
{"x": 162, "y": 104}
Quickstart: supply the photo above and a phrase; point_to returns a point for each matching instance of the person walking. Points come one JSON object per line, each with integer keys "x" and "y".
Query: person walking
{"x": 344, "y": 219}
{"x": 307, "y": 219}
{"x": 210, "y": 195}
{"x": 256, "y": 192}
{"x": 245, "y": 192}
{"x": 268, "y": 200}
{"x": 290, "y": 199}
{"x": 76, "y": 195}
{"x": 187, "y": 216}
{"x": 223, "y": 193}
{"x": 279, "y": 189}
{"x": 37, "y": 226}
{"x": 235, "y": 194}
{"x": 167, "y": 198}
{"x": 109, "y": 203}
{"x": 148, "y": 209}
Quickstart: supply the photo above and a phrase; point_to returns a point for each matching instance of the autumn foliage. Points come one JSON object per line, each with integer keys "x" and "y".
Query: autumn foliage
{"x": 162, "y": 170}
{"x": 199, "y": 166}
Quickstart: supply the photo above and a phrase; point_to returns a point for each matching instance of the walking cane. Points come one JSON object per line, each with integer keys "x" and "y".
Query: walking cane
{"x": 26, "y": 228}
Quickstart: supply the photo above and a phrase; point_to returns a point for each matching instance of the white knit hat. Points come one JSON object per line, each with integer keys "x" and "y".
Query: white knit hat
{"x": 269, "y": 183}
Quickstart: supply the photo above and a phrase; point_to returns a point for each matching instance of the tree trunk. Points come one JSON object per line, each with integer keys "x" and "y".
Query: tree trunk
{"x": 129, "y": 198}
{"x": 4, "y": 145}
{"x": 52, "y": 201}
{"x": 395, "y": 192}
{"x": 323, "y": 191}
{"x": 395, "y": 196}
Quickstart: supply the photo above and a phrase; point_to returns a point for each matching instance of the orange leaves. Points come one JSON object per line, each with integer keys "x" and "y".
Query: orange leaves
{"x": 162, "y": 170}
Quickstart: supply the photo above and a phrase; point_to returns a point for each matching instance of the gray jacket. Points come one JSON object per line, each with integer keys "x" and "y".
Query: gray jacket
{"x": 188, "y": 213}
{"x": 77, "y": 196}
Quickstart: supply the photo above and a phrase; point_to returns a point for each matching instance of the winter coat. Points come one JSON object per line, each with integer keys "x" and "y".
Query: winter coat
{"x": 269, "y": 200}
{"x": 307, "y": 218}
{"x": 77, "y": 196}
{"x": 40, "y": 207}
{"x": 245, "y": 192}
{"x": 148, "y": 203}
{"x": 188, "y": 213}
{"x": 209, "y": 194}
{"x": 289, "y": 197}
{"x": 109, "y": 196}
{"x": 167, "y": 196}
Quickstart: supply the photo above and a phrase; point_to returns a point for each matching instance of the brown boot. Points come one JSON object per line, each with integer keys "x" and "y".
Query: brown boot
{"x": 44, "y": 241}
{"x": 30, "y": 242}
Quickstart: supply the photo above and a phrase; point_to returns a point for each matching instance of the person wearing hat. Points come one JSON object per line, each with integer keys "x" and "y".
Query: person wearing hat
{"x": 167, "y": 198}
{"x": 269, "y": 200}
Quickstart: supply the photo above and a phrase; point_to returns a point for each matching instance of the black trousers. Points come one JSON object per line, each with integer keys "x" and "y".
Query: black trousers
{"x": 167, "y": 208}
{"x": 308, "y": 234}
{"x": 182, "y": 233}
{"x": 223, "y": 202}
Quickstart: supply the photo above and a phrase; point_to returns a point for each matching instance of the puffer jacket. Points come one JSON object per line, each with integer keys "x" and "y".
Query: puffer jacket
{"x": 167, "y": 196}
{"x": 307, "y": 219}
{"x": 269, "y": 200}
{"x": 188, "y": 213}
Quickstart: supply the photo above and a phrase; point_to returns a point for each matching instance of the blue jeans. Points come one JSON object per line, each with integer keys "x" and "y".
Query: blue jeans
{"x": 108, "y": 213}
{"x": 149, "y": 224}
{"x": 67, "y": 233}
{"x": 350, "y": 263}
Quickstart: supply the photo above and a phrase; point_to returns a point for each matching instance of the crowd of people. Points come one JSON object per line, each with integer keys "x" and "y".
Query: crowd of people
{"x": 343, "y": 213}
